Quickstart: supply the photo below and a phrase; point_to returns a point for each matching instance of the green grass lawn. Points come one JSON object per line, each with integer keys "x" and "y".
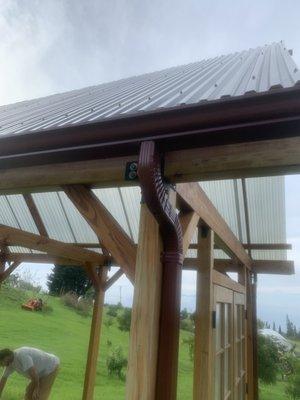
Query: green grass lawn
{"x": 272, "y": 392}
{"x": 66, "y": 333}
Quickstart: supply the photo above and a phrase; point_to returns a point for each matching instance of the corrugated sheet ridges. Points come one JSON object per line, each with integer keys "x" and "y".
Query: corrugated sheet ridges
{"x": 252, "y": 71}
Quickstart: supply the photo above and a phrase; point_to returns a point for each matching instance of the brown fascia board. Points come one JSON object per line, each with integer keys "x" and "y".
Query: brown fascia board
{"x": 251, "y": 117}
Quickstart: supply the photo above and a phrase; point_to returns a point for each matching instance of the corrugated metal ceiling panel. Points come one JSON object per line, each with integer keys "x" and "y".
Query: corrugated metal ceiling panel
{"x": 252, "y": 71}
{"x": 266, "y": 203}
{"x": 54, "y": 217}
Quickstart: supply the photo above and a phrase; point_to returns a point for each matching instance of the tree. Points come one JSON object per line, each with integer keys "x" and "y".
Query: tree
{"x": 68, "y": 279}
{"x": 274, "y": 326}
{"x": 290, "y": 328}
{"x": 279, "y": 330}
{"x": 260, "y": 324}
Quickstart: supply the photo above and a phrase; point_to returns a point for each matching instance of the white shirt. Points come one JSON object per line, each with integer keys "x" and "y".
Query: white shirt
{"x": 27, "y": 357}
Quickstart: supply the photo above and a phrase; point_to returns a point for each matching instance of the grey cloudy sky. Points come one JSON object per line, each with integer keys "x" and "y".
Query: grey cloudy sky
{"x": 50, "y": 46}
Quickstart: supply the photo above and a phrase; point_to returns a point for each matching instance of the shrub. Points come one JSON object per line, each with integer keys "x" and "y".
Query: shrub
{"x": 84, "y": 307}
{"x": 113, "y": 309}
{"x": 187, "y": 325}
{"x": 268, "y": 360}
{"x": 124, "y": 320}
{"x": 293, "y": 384}
{"x": 70, "y": 299}
{"x": 116, "y": 362}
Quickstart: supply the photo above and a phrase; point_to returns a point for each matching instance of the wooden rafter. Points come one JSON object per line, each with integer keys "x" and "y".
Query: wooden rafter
{"x": 193, "y": 197}
{"x": 18, "y": 237}
{"x": 113, "y": 237}
{"x": 189, "y": 222}
{"x": 35, "y": 214}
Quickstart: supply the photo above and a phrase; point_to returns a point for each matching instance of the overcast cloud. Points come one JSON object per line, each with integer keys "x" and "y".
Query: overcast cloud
{"x": 50, "y": 46}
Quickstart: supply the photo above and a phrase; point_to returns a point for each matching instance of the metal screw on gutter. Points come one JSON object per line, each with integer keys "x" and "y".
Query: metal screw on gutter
{"x": 253, "y": 77}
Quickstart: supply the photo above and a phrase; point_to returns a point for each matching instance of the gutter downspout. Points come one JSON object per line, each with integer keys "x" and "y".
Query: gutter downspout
{"x": 156, "y": 197}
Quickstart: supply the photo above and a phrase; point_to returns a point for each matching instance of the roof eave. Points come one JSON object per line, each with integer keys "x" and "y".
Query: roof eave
{"x": 228, "y": 120}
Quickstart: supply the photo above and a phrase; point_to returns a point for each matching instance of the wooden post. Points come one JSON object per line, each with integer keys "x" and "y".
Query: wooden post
{"x": 203, "y": 357}
{"x": 91, "y": 365}
{"x": 142, "y": 364}
{"x": 249, "y": 302}
{"x": 254, "y": 330}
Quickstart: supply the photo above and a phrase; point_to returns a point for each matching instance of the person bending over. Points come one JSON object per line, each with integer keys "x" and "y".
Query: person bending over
{"x": 39, "y": 367}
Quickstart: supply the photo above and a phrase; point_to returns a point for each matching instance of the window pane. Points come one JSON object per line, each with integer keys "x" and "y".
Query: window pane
{"x": 218, "y": 326}
{"x": 226, "y": 324}
{"x": 218, "y": 377}
{"x": 226, "y": 372}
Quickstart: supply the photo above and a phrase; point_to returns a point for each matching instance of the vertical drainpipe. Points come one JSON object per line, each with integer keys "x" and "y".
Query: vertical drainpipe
{"x": 155, "y": 195}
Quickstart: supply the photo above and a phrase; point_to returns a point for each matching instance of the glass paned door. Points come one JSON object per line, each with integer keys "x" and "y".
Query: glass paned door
{"x": 229, "y": 345}
{"x": 223, "y": 340}
{"x": 239, "y": 346}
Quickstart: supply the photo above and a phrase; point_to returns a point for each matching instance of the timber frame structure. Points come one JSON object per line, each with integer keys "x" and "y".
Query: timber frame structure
{"x": 168, "y": 151}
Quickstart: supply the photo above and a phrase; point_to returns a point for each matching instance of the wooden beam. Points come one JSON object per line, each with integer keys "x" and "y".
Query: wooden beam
{"x": 17, "y": 237}
{"x": 225, "y": 281}
{"x": 254, "y": 246}
{"x": 243, "y": 160}
{"x": 193, "y": 197}
{"x": 203, "y": 356}
{"x": 258, "y": 266}
{"x": 43, "y": 259}
{"x": 35, "y": 214}
{"x": 113, "y": 279}
{"x": 274, "y": 267}
{"x": 262, "y": 158}
{"x": 91, "y": 366}
{"x": 189, "y": 222}
{"x": 144, "y": 333}
{"x": 113, "y": 237}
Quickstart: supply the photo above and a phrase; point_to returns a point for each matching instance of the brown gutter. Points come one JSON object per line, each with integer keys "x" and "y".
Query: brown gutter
{"x": 250, "y": 117}
{"x": 156, "y": 197}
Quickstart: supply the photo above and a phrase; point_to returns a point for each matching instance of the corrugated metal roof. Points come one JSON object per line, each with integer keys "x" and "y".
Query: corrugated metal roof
{"x": 252, "y": 71}
{"x": 266, "y": 199}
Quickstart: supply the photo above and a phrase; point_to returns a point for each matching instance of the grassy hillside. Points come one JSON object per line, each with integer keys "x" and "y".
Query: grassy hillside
{"x": 66, "y": 333}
